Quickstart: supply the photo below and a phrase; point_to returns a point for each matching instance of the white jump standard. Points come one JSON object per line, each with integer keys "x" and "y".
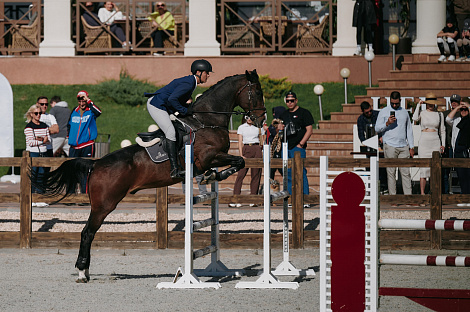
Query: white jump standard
{"x": 267, "y": 279}
{"x": 216, "y": 267}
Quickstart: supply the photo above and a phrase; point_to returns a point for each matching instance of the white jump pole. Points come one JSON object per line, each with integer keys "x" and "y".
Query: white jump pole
{"x": 215, "y": 268}
{"x": 286, "y": 267}
{"x": 267, "y": 279}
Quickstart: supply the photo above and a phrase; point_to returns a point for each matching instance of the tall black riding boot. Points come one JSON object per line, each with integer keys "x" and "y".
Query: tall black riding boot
{"x": 172, "y": 154}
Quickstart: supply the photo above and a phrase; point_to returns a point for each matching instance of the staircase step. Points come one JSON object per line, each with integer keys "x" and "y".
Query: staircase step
{"x": 417, "y": 92}
{"x": 329, "y": 124}
{"x": 342, "y": 116}
{"x": 328, "y": 135}
{"x": 352, "y": 108}
{"x": 436, "y": 67}
{"x": 420, "y": 74}
{"x": 424, "y": 83}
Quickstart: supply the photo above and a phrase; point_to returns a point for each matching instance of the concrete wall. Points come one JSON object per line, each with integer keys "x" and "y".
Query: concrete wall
{"x": 161, "y": 70}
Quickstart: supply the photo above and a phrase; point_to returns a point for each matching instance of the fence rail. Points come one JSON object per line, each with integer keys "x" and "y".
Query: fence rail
{"x": 162, "y": 238}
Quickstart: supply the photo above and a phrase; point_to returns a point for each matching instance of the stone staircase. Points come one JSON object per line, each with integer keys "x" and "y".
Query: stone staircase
{"x": 335, "y": 137}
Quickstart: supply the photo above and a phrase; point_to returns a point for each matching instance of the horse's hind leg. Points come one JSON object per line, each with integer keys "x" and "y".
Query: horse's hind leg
{"x": 88, "y": 234}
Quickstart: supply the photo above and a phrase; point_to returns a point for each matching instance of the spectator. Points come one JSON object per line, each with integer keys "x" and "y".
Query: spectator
{"x": 271, "y": 130}
{"x": 61, "y": 111}
{"x": 249, "y": 139}
{"x": 164, "y": 23}
{"x": 363, "y": 18}
{"x": 433, "y": 133}
{"x": 108, "y": 14}
{"x": 461, "y": 142}
{"x": 90, "y": 15}
{"x": 365, "y": 130}
{"x": 82, "y": 130}
{"x": 448, "y": 151}
{"x": 464, "y": 43}
{"x": 366, "y": 122}
{"x": 447, "y": 37}
{"x": 397, "y": 134}
{"x": 298, "y": 122}
{"x": 37, "y": 136}
{"x": 276, "y": 145}
{"x": 49, "y": 120}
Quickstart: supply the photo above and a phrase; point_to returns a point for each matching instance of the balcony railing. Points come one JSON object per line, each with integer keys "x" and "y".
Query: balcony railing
{"x": 134, "y": 22}
{"x": 276, "y": 26}
{"x": 20, "y": 26}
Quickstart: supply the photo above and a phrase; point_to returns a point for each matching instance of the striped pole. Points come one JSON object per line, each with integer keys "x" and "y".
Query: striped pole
{"x": 446, "y": 225}
{"x": 453, "y": 261}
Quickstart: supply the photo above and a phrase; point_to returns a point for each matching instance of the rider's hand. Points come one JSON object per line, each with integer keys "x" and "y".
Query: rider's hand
{"x": 189, "y": 110}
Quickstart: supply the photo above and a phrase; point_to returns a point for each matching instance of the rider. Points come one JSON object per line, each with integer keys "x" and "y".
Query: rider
{"x": 171, "y": 99}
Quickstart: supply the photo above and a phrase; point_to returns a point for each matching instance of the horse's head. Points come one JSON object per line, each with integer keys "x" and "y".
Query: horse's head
{"x": 250, "y": 98}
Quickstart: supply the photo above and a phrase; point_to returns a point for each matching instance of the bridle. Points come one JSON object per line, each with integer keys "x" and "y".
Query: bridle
{"x": 248, "y": 113}
{"x": 251, "y": 100}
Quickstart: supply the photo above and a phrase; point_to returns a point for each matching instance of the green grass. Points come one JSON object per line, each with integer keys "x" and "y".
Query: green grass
{"x": 124, "y": 121}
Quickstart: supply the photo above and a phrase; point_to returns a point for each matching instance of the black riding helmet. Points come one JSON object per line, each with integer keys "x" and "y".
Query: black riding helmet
{"x": 201, "y": 65}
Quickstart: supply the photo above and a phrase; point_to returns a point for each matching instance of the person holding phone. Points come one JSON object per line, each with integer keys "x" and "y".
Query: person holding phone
{"x": 433, "y": 133}
{"x": 397, "y": 134}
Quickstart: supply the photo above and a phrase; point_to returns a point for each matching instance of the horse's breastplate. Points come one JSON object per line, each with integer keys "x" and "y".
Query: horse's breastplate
{"x": 155, "y": 142}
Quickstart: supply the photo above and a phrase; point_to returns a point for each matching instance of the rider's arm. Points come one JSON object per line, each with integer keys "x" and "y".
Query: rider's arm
{"x": 182, "y": 89}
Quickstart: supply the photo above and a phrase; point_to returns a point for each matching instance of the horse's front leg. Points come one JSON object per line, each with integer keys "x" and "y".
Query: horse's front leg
{"x": 236, "y": 164}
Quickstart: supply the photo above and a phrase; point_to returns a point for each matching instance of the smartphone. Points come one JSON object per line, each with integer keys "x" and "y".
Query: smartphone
{"x": 392, "y": 114}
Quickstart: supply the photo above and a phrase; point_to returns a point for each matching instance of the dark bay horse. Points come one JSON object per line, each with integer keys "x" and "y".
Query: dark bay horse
{"x": 130, "y": 169}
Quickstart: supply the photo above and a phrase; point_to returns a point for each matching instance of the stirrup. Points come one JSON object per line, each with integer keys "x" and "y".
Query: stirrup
{"x": 177, "y": 174}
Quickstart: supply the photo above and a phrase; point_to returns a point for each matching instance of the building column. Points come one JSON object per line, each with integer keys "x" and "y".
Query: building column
{"x": 202, "y": 29}
{"x": 430, "y": 19}
{"x": 346, "y": 34}
{"x": 57, "y": 29}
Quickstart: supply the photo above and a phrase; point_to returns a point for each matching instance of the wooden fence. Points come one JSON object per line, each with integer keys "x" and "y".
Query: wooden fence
{"x": 162, "y": 238}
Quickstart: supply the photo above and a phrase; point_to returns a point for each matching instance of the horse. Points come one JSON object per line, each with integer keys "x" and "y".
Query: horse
{"x": 127, "y": 170}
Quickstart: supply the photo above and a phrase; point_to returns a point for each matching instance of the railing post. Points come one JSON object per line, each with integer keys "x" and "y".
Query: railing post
{"x": 297, "y": 202}
{"x": 436, "y": 197}
{"x": 161, "y": 200}
{"x": 25, "y": 202}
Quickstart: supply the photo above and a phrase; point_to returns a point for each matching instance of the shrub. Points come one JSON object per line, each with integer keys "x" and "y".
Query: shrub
{"x": 127, "y": 90}
{"x": 274, "y": 88}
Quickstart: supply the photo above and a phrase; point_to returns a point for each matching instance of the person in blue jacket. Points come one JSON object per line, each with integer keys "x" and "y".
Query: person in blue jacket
{"x": 171, "y": 99}
{"x": 82, "y": 130}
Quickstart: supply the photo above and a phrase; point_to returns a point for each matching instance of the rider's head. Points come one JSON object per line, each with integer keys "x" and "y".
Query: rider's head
{"x": 201, "y": 69}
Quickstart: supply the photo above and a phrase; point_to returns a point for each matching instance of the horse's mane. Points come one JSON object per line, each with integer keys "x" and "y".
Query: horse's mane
{"x": 220, "y": 83}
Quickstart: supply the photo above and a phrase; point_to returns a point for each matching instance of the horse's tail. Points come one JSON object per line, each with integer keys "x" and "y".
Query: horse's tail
{"x": 63, "y": 179}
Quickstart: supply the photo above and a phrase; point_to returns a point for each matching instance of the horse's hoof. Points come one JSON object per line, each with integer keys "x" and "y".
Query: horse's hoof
{"x": 82, "y": 280}
{"x": 208, "y": 177}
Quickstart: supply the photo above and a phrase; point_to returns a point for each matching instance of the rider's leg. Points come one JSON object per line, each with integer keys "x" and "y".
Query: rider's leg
{"x": 162, "y": 118}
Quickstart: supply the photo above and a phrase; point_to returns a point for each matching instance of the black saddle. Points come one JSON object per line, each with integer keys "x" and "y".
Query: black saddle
{"x": 159, "y": 152}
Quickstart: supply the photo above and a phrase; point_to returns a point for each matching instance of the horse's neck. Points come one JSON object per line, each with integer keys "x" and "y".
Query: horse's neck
{"x": 223, "y": 98}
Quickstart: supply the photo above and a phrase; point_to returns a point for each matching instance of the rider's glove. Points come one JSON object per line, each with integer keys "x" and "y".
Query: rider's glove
{"x": 189, "y": 111}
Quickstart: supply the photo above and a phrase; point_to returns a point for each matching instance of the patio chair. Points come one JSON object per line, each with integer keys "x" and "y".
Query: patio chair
{"x": 239, "y": 36}
{"x": 25, "y": 37}
{"x": 310, "y": 36}
{"x": 97, "y": 38}
{"x": 146, "y": 28}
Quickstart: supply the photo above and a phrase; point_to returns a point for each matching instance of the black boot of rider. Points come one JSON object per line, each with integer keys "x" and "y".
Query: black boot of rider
{"x": 175, "y": 172}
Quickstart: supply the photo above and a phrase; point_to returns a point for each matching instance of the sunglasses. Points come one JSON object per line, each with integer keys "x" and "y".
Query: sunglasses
{"x": 464, "y": 109}
{"x": 290, "y": 101}
{"x": 43, "y": 104}
{"x": 160, "y": 5}
{"x": 37, "y": 113}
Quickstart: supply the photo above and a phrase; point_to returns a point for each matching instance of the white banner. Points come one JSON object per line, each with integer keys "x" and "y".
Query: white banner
{"x": 7, "y": 148}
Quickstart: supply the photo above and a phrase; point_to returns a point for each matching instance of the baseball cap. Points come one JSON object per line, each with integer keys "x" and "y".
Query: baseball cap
{"x": 455, "y": 98}
{"x": 82, "y": 93}
{"x": 466, "y": 24}
{"x": 291, "y": 93}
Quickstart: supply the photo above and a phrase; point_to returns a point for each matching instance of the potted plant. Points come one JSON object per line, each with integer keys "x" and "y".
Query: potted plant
{"x": 404, "y": 45}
